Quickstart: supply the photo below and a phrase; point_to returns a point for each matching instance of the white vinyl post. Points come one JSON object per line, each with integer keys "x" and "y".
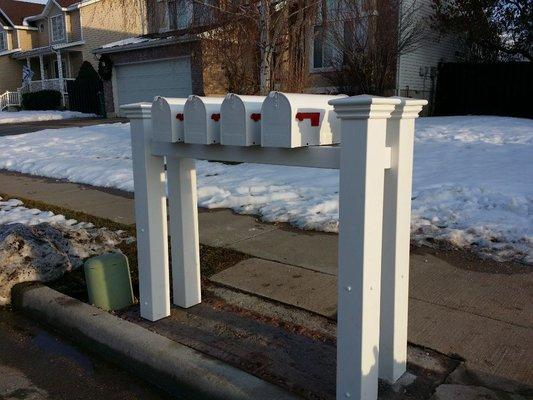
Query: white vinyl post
{"x": 396, "y": 233}
{"x": 185, "y": 245}
{"x": 41, "y": 70}
{"x": 363, "y": 132}
{"x": 150, "y": 215}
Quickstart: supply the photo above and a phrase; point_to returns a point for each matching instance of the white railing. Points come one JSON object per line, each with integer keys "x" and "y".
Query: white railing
{"x": 9, "y": 99}
{"x": 374, "y": 159}
{"x": 46, "y": 84}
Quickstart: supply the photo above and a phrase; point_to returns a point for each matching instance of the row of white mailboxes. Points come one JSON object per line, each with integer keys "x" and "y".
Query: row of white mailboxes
{"x": 277, "y": 120}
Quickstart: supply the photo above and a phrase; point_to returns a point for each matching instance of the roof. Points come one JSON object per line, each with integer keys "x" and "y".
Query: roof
{"x": 142, "y": 42}
{"x": 66, "y": 3}
{"x": 16, "y": 10}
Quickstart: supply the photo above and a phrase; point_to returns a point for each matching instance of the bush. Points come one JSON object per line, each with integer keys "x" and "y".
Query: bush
{"x": 87, "y": 73}
{"x": 42, "y": 100}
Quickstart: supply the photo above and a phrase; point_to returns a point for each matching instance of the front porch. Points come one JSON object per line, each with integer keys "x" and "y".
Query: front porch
{"x": 51, "y": 69}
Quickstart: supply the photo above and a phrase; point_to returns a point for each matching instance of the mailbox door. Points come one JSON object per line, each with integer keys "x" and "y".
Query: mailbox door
{"x": 161, "y": 123}
{"x": 232, "y": 122}
{"x": 276, "y": 122}
{"x": 195, "y": 121}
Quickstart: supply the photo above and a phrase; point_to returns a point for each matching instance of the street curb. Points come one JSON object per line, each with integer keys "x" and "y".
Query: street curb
{"x": 178, "y": 369}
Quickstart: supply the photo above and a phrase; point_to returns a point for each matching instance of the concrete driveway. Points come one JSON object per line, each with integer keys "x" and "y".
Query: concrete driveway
{"x": 27, "y": 127}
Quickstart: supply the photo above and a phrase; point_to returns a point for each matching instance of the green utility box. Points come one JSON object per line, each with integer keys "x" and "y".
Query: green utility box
{"x": 108, "y": 281}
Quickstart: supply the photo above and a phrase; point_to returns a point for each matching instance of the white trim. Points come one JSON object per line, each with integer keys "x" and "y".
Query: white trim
{"x": 44, "y": 13}
{"x": 26, "y": 28}
{"x": 151, "y": 60}
{"x": 114, "y": 89}
{"x": 6, "y": 17}
{"x": 8, "y": 52}
{"x": 81, "y": 4}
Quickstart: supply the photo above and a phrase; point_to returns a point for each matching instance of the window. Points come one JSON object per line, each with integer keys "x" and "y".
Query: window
{"x": 179, "y": 14}
{"x": 338, "y": 35}
{"x": 205, "y": 12}
{"x": 57, "y": 28}
{"x": 322, "y": 48}
{"x": 3, "y": 41}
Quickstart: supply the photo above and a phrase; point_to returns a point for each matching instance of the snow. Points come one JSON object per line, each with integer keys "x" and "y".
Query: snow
{"x": 12, "y": 211}
{"x": 9, "y": 117}
{"x": 472, "y": 184}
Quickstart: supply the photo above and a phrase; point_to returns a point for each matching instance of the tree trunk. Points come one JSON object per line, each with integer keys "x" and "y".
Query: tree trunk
{"x": 265, "y": 74}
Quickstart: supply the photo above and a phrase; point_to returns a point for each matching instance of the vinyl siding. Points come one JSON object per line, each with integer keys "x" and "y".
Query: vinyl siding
{"x": 10, "y": 73}
{"x": 432, "y": 50}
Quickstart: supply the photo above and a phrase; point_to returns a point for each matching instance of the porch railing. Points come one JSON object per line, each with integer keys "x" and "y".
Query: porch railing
{"x": 9, "y": 99}
{"x": 46, "y": 84}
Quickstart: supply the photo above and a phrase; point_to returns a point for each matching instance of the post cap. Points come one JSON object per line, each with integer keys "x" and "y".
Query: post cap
{"x": 137, "y": 110}
{"x": 364, "y": 106}
{"x": 408, "y": 107}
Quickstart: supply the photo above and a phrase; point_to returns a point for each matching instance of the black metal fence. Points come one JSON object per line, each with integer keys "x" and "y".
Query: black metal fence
{"x": 485, "y": 89}
{"x": 85, "y": 96}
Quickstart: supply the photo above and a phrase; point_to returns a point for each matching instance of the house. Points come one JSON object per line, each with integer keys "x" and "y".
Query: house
{"x": 56, "y": 37}
{"x": 14, "y": 36}
{"x": 155, "y": 64}
{"x": 180, "y": 63}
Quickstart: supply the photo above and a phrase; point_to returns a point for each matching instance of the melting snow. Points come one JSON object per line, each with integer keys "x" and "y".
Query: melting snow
{"x": 472, "y": 185}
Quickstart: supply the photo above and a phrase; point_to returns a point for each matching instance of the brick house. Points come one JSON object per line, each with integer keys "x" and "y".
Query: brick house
{"x": 56, "y": 37}
{"x": 153, "y": 64}
{"x": 179, "y": 64}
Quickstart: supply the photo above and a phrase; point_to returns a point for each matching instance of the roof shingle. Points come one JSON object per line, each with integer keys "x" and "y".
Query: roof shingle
{"x": 16, "y": 11}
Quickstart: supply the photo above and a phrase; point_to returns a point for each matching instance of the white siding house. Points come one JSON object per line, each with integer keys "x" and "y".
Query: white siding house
{"x": 416, "y": 71}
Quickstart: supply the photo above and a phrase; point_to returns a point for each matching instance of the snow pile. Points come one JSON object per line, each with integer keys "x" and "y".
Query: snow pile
{"x": 10, "y": 117}
{"x": 13, "y": 211}
{"x": 472, "y": 180}
{"x": 40, "y": 246}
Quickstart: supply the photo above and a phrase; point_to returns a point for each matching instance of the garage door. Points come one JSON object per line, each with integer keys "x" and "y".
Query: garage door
{"x": 144, "y": 81}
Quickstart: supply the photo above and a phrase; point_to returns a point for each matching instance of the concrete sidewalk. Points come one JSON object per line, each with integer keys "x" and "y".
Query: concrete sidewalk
{"x": 459, "y": 305}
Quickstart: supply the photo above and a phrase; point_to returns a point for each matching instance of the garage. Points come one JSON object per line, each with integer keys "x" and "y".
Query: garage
{"x": 143, "y": 81}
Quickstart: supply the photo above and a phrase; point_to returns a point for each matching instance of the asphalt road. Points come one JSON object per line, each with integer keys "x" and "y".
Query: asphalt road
{"x": 36, "y": 364}
{"x": 26, "y": 127}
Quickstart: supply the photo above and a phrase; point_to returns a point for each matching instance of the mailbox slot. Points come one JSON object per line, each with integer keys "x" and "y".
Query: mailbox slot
{"x": 167, "y": 125}
{"x": 241, "y": 120}
{"x": 298, "y": 120}
{"x": 202, "y": 119}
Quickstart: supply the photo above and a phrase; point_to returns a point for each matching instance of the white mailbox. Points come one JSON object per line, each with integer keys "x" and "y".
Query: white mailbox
{"x": 167, "y": 119}
{"x": 298, "y": 120}
{"x": 202, "y": 119}
{"x": 240, "y": 123}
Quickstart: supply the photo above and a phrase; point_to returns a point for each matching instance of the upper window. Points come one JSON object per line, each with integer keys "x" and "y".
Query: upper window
{"x": 3, "y": 41}
{"x": 57, "y": 28}
{"x": 205, "y": 12}
{"x": 179, "y": 14}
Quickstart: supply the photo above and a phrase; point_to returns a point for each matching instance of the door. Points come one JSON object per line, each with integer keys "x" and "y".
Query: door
{"x": 143, "y": 81}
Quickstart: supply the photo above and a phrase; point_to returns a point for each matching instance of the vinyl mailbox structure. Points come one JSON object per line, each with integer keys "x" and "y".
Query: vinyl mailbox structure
{"x": 240, "y": 123}
{"x": 168, "y": 120}
{"x": 374, "y": 159}
{"x": 297, "y": 120}
{"x": 202, "y": 119}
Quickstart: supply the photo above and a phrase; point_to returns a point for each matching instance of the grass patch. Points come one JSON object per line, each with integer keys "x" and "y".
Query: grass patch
{"x": 212, "y": 259}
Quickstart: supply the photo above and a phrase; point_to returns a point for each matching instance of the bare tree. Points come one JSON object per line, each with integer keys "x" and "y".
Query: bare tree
{"x": 260, "y": 45}
{"x": 365, "y": 40}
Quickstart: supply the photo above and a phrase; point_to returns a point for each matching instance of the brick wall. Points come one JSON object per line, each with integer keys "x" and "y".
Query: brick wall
{"x": 108, "y": 21}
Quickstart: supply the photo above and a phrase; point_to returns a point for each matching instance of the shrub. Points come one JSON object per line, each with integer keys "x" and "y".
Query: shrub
{"x": 42, "y": 100}
{"x": 87, "y": 73}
